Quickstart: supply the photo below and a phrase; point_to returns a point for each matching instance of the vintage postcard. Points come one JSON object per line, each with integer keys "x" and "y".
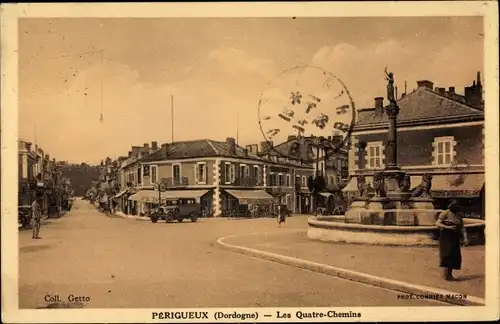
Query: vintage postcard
{"x": 250, "y": 162}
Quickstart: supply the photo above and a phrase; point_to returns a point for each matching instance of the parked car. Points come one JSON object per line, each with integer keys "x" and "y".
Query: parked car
{"x": 177, "y": 209}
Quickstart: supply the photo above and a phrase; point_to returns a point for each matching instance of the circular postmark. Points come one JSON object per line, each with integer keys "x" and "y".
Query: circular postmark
{"x": 306, "y": 101}
{"x": 457, "y": 172}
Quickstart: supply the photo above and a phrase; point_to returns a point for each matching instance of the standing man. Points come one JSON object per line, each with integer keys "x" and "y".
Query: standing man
{"x": 36, "y": 218}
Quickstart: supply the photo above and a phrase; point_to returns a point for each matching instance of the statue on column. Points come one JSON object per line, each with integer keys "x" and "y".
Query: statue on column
{"x": 390, "y": 86}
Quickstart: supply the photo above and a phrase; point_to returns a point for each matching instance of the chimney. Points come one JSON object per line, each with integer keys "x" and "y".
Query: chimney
{"x": 28, "y": 146}
{"x": 379, "y": 105}
{"x": 474, "y": 94}
{"x": 425, "y": 84}
{"x": 164, "y": 147}
{"x": 451, "y": 90}
{"x": 154, "y": 145}
{"x": 136, "y": 150}
{"x": 441, "y": 91}
{"x": 265, "y": 146}
{"x": 231, "y": 142}
{"x": 329, "y": 139}
{"x": 291, "y": 137}
{"x": 47, "y": 157}
{"x": 129, "y": 153}
{"x": 245, "y": 151}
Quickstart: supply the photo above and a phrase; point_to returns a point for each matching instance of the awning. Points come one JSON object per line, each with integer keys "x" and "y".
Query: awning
{"x": 152, "y": 196}
{"x": 118, "y": 195}
{"x": 462, "y": 185}
{"x": 326, "y": 194}
{"x": 246, "y": 197}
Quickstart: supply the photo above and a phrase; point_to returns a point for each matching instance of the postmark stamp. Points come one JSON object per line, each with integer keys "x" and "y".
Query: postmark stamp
{"x": 306, "y": 101}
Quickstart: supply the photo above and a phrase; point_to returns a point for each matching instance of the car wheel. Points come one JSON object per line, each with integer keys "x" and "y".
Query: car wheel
{"x": 169, "y": 217}
{"x": 180, "y": 220}
{"x": 193, "y": 217}
{"x": 154, "y": 219}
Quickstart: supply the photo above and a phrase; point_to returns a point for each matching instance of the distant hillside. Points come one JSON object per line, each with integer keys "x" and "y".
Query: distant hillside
{"x": 81, "y": 176}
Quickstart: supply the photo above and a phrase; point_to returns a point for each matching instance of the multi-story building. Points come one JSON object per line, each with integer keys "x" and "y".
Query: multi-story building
{"x": 220, "y": 175}
{"x": 326, "y": 162}
{"x": 439, "y": 132}
{"x": 26, "y": 177}
{"x": 37, "y": 176}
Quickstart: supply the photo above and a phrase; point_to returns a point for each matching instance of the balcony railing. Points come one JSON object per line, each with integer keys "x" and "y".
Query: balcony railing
{"x": 175, "y": 182}
{"x": 248, "y": 182}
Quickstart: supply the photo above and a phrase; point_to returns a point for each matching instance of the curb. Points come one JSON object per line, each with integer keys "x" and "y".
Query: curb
{"x": 386, "y": 283}
{"x": 132, "y": 217}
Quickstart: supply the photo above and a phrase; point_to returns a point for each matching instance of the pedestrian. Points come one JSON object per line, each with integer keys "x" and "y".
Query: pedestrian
{"x": 36, "y": 218}
{"x": 281, "y": 215}
{"x": 452, "y": 230}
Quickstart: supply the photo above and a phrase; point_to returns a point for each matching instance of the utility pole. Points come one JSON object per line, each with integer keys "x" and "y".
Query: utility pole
{"x": 172, "y": 115}
{"x": 237, "y": 125}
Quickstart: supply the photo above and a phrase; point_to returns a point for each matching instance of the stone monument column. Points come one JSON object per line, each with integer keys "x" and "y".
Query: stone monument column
{"x": 392, "y": 137}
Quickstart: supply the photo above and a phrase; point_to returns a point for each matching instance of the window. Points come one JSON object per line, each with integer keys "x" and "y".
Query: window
{"x": 229, "y": 172}
{"x": 131, "y": 178}
{"x": 176, "y": 173}
{"x": 374, "y": 155}
{"x": 304, "y": 182}
{"x": 288, "y": 184}
{"x": 444, "y": 151}
{"x": 201, "y": 173}
{"x": 139, "y": 180}
{"x": 153, "y": 174}
{"x": 233, "y": 173}
{"x": 297, "y": 180}
{"x": 280, "y": 179}
{"x": 256, "y": 171}
{"x": 272, "y": 179}
{"x": 244, "y": 171}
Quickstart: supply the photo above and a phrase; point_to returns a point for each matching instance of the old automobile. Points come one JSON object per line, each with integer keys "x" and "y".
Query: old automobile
{"x": 177, "y": 210}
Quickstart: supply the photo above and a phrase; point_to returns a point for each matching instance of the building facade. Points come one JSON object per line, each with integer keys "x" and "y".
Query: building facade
{"x": 439, "y": 133}
{"x": 221, "y": 175}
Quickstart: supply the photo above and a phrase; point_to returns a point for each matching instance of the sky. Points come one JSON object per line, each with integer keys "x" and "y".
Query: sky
{"x": 71, "y": 69}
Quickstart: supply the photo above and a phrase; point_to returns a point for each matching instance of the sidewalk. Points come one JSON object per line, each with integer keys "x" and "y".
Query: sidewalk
{"x": 418, "y": 266}
{"x": 133, "y": 217}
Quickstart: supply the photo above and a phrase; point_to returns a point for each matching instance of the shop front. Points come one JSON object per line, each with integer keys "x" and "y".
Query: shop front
{"x": 245, "y": 202}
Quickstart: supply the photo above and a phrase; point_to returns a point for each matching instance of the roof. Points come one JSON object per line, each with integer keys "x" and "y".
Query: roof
{"x": 421, "y": 106}
{"x": 285, "y": 147}
{"x": 204, "y": 148}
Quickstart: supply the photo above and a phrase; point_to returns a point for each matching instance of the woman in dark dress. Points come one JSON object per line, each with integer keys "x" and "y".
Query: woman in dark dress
{"x": 452, "y": 230}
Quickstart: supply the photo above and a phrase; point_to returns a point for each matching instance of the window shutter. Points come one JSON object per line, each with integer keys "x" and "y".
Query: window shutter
{"x": 196, "y": 172}
{"x": 233, "y": 172}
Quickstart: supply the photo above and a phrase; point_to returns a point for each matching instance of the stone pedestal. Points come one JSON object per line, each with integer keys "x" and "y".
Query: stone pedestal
{"x": 353, "y": 215}
{"x": 421, "y": 203}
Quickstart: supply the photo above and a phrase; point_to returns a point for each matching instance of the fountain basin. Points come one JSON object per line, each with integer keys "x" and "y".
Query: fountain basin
{"x": 334, "y": 229}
